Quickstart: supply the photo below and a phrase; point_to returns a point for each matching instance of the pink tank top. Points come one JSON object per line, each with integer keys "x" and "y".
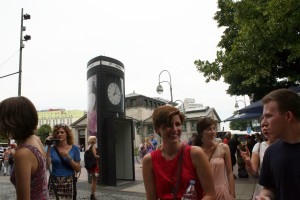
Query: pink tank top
{"x": 38, "y": 184}
{"x": 165, "y": 173}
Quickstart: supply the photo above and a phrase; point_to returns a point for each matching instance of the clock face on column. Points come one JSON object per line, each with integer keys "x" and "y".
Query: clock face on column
{"x": 114, "y": 93}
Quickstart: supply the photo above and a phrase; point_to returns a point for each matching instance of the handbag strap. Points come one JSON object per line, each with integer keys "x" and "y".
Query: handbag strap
{"x": 212, "y": 153}
{"x": 179, "y": 165}
{"x": 62, "y": 160}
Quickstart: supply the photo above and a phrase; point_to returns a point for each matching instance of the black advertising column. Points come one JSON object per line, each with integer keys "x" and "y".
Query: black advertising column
{"x": 106, "y": 119}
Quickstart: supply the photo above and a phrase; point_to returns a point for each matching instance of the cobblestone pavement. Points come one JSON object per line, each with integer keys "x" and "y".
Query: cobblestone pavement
{"x": 7, "y": 192}
{"x": 127, "y": 190}
{"x": 130, "y": 190}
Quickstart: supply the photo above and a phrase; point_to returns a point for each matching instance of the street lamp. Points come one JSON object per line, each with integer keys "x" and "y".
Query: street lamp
{"x": 160, "y": 89}
{"x": 182, "y": 105}
{"x": 26, "y": 38}
{"x": 236, "y": 105}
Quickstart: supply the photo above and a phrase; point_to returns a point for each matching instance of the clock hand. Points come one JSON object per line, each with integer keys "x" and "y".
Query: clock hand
{"x": 115, "y": 91}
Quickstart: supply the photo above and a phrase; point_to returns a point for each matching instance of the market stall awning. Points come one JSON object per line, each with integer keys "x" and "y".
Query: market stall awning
{"x": 255, "y": 107}
{"x": 244, "y": 116}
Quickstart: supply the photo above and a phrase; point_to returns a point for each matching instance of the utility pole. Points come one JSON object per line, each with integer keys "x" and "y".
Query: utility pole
{"x": 26, "y": 38}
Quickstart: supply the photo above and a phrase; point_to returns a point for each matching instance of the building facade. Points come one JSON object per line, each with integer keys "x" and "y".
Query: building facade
{"x": 58, "y": 116}
{"x": 140, "y": 108}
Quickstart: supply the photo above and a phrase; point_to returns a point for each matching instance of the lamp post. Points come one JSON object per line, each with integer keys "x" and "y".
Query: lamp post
{"x": 26, "y": 38}
{"x": 182, "y": 104}
{"x": 160, "y": 89}
{"x": 236, "y": 105}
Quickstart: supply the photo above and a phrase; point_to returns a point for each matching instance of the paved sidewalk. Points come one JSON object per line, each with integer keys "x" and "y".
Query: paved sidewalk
{"x": 130, "y": 190}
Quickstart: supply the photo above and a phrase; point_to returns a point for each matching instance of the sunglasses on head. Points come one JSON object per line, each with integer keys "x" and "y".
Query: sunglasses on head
{"x": 60, "y": 125}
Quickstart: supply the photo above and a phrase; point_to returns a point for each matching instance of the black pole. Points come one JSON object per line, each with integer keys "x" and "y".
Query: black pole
{"x": 20, "y": 58}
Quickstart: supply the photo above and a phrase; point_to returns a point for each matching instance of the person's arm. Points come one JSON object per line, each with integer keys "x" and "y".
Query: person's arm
{"x": 95, "y": 152}
{"x": 204, "y": 172}
{"x": 228, "y": 165}
{"x": 25, "y": 164}
{"x": 148, "y": 176}
{"x": 252, "y": 164}
{"x": 266, "y": 194}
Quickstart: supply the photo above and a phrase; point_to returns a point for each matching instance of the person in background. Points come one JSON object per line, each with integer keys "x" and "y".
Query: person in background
{"x": 219, "y": 157}
{"x": 227, "y": 137}
{"x": 94, "y": 172}
{"x": 19, "y": 118}
{"x": 149, "y": 145}
{"x": 259, "y": 137}
{"x": 12, "y": 151}
{"x": 64, "y": 157}
{"x": 233, "y": 144}
{"x": 160, "y": 167}
{"x": 82, "y": 148}
{"x": 254, "y": 162}
{"x": 142, "y": 149}
{"x": 6, "y": 154}
{"x": 1, "y": 157}
{"x": 250, "y": 143}
{"x": 280, "y": 174}
{"x": 191, "y": 140}
{"x": 153, "y": 141}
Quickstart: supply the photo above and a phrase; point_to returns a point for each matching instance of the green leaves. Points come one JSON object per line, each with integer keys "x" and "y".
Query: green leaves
{"x": 260, "y": 46}
{"x": 43, "y": 132}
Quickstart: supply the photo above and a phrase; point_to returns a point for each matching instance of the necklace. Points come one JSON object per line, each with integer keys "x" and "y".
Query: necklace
{"x": 210, "y": 151}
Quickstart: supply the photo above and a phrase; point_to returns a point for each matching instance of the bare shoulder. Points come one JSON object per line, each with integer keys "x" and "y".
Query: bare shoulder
{"x": 224, "y": 147}
{"x": 147, "y": 159}
{"x": 196, "y": 151}
{"x": 23, "y": 154}
{"x": 147, "y": 163}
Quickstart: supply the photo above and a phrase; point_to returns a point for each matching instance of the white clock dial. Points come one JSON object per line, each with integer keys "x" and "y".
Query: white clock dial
{"x": 114, "y": 93}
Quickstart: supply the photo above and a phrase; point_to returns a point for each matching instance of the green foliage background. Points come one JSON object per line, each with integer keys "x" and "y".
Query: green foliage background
{"x": 259, "y": 48}
{"x": 43, "y": 132}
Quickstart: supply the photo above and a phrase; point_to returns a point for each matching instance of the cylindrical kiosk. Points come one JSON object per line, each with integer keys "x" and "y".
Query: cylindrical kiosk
{"x": 106, "y": 120}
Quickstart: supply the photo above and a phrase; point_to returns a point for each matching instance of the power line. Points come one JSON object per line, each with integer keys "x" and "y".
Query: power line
{"x": 9, "y": 58}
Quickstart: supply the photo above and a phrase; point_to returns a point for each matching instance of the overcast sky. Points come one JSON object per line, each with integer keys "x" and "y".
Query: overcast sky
{"x": 146, "y": 36}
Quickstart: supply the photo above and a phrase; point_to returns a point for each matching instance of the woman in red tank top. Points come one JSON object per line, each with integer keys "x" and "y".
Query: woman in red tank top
{"x": 161, "y": 166}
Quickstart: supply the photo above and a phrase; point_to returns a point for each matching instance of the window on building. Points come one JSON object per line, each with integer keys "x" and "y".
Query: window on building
{"x": 133, "y": 102}
{"x": 150, "y": 129}
{"x": 193, "y": 125}
{"x": 81, "y": 133}
{"x": 184, "y": 128}
{"x": 150, "y": 104}
{"x": 146, "y": 102}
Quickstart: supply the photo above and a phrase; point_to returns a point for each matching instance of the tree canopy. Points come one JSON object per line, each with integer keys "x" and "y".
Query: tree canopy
{"x": 43, "y": 132}
{"x": 259, "y": 48}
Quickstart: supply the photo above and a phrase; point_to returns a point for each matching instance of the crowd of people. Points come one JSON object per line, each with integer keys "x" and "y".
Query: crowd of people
{"x": 27, "y": 162}
{"x": 270, "y": 155}
{"x": 8, "y": 159}
{"x": 169, "y": 167}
